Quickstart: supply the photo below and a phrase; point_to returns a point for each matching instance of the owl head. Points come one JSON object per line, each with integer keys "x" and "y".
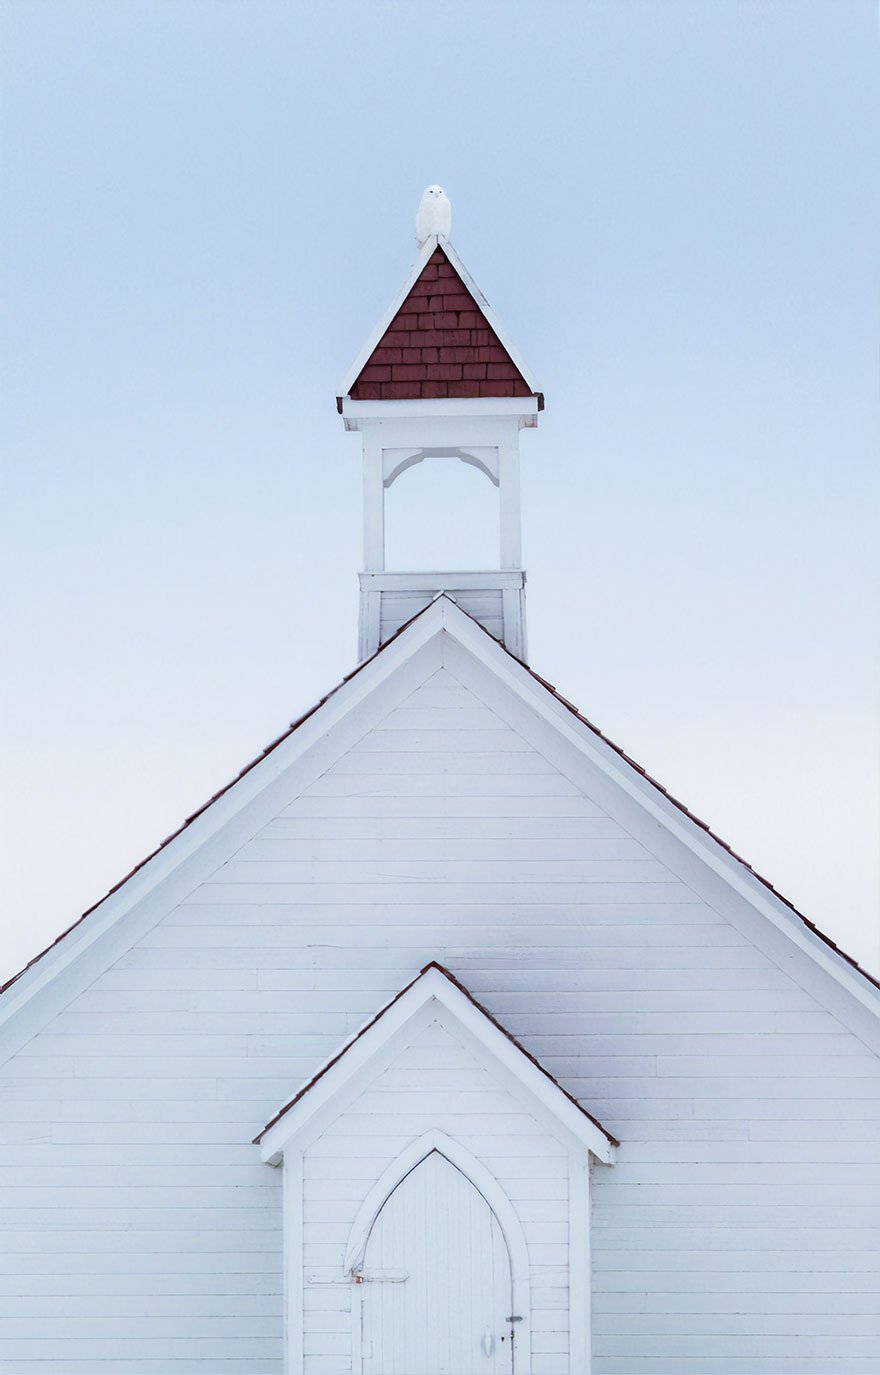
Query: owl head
{"x": 435, "y": 191}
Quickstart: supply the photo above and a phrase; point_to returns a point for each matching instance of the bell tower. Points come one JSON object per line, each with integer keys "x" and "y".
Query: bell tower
{"x": 438, "y": 379}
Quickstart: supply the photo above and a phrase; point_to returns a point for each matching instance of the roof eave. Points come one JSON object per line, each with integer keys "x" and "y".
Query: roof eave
{"x": 356, "y": 413}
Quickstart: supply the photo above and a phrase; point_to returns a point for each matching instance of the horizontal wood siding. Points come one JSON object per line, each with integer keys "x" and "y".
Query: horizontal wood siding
{"x": 736, "y": 1235}
{"x": 396, "y": 608}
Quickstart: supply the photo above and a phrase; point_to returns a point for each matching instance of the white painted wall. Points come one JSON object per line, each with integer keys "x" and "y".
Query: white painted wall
{"x": 734, "y": 1236}
{"x": 396, "y": 608}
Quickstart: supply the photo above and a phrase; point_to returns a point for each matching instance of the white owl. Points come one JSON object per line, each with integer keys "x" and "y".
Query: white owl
{"x": 434, "y": 215}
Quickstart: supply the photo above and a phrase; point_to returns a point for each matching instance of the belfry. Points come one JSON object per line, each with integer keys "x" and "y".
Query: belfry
{"x": 438, "y": 378}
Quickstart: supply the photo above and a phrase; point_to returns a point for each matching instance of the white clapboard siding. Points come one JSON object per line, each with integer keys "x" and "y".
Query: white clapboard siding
{"x": 396, "y": 608}
{"x": 736, "y": 1233}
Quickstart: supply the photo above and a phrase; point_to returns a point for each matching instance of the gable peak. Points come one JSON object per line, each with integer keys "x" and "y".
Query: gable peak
{"x": 433, "y": 987}
{"x": 438, "y": 340}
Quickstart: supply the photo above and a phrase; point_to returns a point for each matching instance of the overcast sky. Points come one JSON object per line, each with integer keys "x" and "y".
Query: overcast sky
{"x": 674, "y": 209}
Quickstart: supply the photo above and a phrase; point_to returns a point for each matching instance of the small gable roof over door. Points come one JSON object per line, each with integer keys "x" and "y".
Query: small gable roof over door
{"x": 438, "y": 338}
{"x": 352, "y": 1063}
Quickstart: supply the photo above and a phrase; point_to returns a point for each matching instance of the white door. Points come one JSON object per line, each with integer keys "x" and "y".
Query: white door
{"x": 436, "y": 1292}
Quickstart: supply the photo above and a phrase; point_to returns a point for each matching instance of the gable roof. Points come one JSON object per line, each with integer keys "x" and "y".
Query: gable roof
{"x": 438, "y": 338}
{"x": 437, "y": 984}
{"x": 317, "y": 725}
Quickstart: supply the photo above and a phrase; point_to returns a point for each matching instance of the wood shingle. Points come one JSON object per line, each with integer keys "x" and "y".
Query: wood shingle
{"x": 439, "y": 344}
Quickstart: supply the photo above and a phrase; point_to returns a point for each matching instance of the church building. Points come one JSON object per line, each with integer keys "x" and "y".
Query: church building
{"x": 443, "y": 1040}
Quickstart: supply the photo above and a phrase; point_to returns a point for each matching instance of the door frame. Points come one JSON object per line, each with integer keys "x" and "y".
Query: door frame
{"x": 488, "y": 1186}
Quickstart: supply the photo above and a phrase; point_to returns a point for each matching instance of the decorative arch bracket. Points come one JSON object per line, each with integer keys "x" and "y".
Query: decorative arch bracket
{"x": 482, "y": 1179}
{"x": 481, "y": 456}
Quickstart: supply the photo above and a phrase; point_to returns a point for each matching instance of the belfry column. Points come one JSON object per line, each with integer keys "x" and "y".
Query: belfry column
{"x": 510, "y": 532}
{"x": 438, "y": 379}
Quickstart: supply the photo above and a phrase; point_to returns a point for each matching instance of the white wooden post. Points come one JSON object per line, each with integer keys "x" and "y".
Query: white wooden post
{"x": 513, "y": 599}
{"x": 374, "y": 506}
{"x": 374, "y": 544}
{"x": 509, "y": 501}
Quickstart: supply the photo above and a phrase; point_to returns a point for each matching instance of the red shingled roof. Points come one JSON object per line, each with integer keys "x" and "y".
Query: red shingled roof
{"x": 438, "y": 344}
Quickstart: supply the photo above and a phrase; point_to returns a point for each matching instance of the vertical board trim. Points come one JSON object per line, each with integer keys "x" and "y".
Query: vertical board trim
{"x": 579, "y": 1277}
{"x": 293, "y": 1263}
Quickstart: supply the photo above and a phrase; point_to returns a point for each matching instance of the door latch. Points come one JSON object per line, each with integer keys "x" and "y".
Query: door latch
{"x": 380, "y": 1276}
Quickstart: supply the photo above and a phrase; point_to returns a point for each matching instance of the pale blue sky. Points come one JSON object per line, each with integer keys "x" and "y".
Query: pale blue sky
{"x": 674, "y": 209}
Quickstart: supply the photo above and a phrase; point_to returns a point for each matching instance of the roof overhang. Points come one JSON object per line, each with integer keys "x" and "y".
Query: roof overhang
{"x": 521, "y": 409}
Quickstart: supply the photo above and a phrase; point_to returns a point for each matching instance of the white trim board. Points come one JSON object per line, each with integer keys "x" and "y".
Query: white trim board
{"x": 464, "y": 418}
{"x": 456, "y": 1154}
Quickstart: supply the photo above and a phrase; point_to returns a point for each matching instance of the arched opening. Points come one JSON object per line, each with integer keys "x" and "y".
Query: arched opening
{"x": 441, "y": 513}
{"x": 436, "y": 1280}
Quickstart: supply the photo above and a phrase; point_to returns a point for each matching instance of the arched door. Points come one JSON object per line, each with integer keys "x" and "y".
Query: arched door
{"x": 436, "y": 1280}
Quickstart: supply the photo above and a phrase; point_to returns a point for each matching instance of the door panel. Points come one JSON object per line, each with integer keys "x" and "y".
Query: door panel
{"x": 436, "y": 1289}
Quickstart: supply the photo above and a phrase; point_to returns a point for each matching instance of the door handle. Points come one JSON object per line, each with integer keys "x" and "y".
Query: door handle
{"x": 488, "y": 1343}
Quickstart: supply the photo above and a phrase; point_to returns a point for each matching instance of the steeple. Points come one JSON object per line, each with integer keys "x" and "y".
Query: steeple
{"x": 438, "y": 379}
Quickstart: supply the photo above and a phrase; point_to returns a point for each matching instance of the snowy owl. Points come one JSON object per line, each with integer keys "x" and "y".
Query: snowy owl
{"x": 434, "y": 215}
